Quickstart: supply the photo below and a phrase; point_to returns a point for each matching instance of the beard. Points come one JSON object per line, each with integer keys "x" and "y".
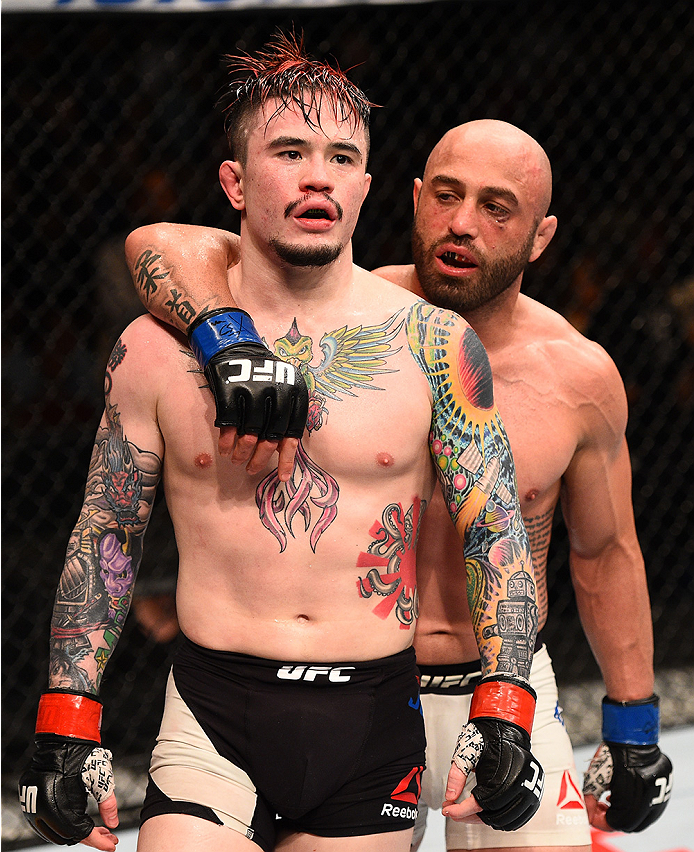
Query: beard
{"x": 307, "y": 256}
{"x": 492, "y": 277}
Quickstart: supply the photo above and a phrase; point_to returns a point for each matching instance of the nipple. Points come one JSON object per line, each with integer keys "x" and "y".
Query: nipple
{"x": 384, "y": 459}
{"x": 203, "y": 460}
{"x": 532, "y": 494}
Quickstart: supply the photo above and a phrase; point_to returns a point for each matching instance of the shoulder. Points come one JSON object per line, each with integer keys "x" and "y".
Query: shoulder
{"x": 403, "y": 276}
{"x": 147, "y": 335}
{"x": 145, "y": 354}
{"x": 583, "y": 372}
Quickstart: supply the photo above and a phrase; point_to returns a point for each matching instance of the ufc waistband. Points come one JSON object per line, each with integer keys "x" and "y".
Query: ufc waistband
{"x": 457, "y": 678}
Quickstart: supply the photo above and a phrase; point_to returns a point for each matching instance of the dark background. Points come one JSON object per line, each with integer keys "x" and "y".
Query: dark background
{"x": 109, "y": 123}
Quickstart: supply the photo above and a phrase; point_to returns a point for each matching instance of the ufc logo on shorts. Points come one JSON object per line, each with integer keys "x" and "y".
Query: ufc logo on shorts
{"x": 537, "y": 782}
{"x": 27, "y": 799}
{"x": 665, "y": 786}
{"x": 334, "y": 674}
{"x": 279, "y": 371}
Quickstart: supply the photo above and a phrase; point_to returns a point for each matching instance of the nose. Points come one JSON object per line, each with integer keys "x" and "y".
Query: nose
{"x": 316, "y": 176}
{"x": 464, "y": 222}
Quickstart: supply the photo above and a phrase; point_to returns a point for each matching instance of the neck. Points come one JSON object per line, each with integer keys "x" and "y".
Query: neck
{"x": 263, "y": 279}
{"x": 495, "y": 321}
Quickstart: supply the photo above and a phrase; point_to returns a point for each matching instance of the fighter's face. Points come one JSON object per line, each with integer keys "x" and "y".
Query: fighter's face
{"x": 302, "y": 186}
{"x": 474, "y": 229}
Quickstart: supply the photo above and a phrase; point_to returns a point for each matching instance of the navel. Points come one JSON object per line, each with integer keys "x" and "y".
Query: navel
{"x": 203, "y": 460}
{"x": 384, "y": 459}
{"x": 302, "y": 619}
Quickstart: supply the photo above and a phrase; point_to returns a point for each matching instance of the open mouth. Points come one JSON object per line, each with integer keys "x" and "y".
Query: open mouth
{"x": 315, "y": 213}
{"x": 457, "y": 261}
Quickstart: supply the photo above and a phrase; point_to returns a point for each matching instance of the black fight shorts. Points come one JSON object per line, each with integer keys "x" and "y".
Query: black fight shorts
{"x": 334, "y": 750}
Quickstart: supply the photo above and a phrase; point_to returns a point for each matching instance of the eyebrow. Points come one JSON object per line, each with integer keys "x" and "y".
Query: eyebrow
{"x": 495, "y": 191}
{"x": 297, "y": 142}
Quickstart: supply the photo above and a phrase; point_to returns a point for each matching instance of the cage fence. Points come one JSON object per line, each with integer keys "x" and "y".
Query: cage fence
{"x": 109, "y": 123}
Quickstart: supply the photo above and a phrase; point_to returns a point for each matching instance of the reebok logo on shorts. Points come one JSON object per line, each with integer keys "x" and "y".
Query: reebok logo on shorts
{"x": 404, "y": 812}
{"x": 410, "y": 788}
{"x": 569, "y": 795}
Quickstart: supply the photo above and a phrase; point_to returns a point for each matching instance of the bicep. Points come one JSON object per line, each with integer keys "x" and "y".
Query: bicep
{"x": 468, "y": 441}
{"x": 596, "y": 500}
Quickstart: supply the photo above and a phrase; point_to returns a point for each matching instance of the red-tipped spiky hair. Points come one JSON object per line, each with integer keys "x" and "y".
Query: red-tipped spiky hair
{"x": 282, "y": 71}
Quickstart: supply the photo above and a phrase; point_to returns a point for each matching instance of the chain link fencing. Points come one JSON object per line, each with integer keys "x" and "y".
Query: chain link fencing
{"x": 109, "y": 123}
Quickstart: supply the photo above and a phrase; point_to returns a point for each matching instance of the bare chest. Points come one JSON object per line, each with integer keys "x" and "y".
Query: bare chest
{"x": 543, "y": 430}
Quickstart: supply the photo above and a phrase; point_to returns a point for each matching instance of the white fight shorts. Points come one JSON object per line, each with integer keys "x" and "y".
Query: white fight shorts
{"x": 561, "y": 819}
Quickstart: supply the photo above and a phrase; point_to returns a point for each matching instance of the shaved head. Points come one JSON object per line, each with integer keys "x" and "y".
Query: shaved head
{"x": 480, "y": 214}
{"x": 508, "y": 145}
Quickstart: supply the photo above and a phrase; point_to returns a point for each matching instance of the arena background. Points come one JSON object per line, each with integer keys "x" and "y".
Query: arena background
{"x": 109, "y": 123}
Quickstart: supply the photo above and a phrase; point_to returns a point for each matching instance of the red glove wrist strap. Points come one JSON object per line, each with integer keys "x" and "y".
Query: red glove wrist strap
{"x": 503, "y": 700}
{"x": 69, "y": 716}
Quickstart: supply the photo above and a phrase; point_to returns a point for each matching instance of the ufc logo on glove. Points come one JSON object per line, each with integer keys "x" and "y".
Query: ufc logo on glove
{"x": 27, "y": 799}
{"x": 536, "y": 784}
{"x": 245, "y": 369}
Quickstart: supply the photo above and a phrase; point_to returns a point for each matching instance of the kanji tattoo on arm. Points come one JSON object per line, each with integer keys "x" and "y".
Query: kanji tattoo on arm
{"x": 475, "y": 467}
{"x": 155, "y": 284}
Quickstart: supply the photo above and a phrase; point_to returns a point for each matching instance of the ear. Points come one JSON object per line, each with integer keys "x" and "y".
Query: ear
{"x": 415, "y": 192}
{"x": 231, "y": 178}
{"x": 543, "y": 237}
{"x": 367, "y": 186}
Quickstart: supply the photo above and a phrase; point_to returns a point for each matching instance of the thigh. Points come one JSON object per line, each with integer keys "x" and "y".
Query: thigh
{"x": 183, "y": 833}
{"x": 444, "y": 719}
{"x": 391, "y": 841}
{"x": 190, "y": 779}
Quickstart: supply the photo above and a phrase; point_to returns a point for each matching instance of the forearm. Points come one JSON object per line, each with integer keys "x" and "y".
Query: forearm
{"x": 103, "y": 556}
{"x": 91, "y": 605}
{"x": 612, "y": 600}
{"x": 501, "y": 597}
{"x": 180, "y": 271}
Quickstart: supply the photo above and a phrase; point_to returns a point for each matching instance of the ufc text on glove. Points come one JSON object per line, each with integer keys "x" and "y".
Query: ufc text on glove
{"x": 496, "y": 744}
{"x": 254, "y": 391}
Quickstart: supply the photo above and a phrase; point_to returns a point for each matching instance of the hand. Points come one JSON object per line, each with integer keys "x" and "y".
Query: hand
{"x": 465, "y": 757}
{"x": 255, "y": 454}
{"x": 263, "y": 399}
{"x": 496, "y": 744}
{"x": 639, "y": 779}
{"x": 66, "y": 766}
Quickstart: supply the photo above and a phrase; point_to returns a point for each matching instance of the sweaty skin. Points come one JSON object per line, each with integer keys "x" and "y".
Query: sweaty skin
{"x": 485, "y": 191}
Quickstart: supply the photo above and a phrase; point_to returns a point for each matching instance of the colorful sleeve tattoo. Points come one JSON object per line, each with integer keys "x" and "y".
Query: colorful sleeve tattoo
{"x": 103, "y": 553}
{"x": 475, "y": 467}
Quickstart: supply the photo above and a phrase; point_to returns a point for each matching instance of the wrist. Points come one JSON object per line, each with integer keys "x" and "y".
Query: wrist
{"x": 631, "y": 722}
{"x": 68, "y": 713}
{"x": 213, "y": 331}
{"x": 505, "y": 697}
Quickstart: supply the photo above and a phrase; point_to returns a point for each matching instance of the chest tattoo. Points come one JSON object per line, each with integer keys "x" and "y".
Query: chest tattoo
{"x": 349, "y": 361}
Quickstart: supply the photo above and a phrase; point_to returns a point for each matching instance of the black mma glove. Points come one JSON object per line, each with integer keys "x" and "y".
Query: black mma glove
{"x": 630, "y": 765}
{"x": 253, "y": 389}
{"x": 68, "y": 763}
{"x": 495, "y": 743}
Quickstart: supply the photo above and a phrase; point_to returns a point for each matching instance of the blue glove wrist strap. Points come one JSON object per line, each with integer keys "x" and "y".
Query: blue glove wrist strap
{"x": 214, "y": 331}
{"x": 631, "y": 722}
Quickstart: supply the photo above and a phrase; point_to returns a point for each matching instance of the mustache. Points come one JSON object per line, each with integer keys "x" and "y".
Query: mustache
{"x": 461, "y": 242}
{"x": 291, "y": 207}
